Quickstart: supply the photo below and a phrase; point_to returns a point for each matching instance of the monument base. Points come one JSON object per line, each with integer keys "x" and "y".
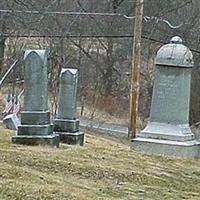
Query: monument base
{"x": 72, "y": 138}
{"x": 35, "y": 117}
{"x": 164, "y": 131}
{"x": 66, "y": 125}
{"x": 187, "y": 149}
{"x": 43, "y": 130}
{"x": 36, "y": 135}
{"x": 51, "y": 140}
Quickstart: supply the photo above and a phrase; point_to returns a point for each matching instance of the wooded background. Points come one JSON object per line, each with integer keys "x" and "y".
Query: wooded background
{"x": 99, "y": 45}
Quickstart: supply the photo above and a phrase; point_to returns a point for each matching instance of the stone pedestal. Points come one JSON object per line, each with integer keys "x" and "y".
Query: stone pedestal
{"x": 72, "y": 138}
{"x": 168, "y": 131}
{"x": 69, "y": 125}
{"x": 66, "y": 124}
{"x": 36, "y": 128}
{"x": 187, "y": 149}
{"x": 50, "y": 140}
{"x": 69, "y": 131}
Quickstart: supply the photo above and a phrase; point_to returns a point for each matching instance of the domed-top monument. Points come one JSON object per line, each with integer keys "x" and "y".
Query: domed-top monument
{"x": 168, "y": 131}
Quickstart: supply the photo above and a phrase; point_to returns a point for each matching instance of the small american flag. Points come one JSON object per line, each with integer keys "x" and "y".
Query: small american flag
{"x": 16, "y": 105}
{"x": 9, "y": 104}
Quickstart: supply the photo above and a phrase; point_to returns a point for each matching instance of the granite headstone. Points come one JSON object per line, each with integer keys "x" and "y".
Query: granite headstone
{"x": 36, "y": 127}
{"x": 66, "y": 124}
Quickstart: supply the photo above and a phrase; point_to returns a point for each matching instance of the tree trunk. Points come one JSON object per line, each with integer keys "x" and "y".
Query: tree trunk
{"x": 108, "y": 76}
{"x": 2, "y": 48}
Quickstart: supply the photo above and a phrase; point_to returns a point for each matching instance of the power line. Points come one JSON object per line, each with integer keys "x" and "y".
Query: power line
{"x": 77, "y": 36}
{"x": 146, "y": 18}
{"x": 156, "y": 19}
{"x": 65, "y": 36}
{"x": 66, "y": 13}
{"x": 89, "y": 37}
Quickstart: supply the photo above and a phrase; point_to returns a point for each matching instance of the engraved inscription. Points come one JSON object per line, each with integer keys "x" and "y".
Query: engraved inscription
{"x": 165, "y": 98}
{"x": 170, "y": 101}
{"x": 167, "y": 87}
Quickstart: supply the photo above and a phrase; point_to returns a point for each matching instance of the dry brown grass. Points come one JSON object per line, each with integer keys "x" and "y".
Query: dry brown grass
{"x": 103, "y": 169}
{"x": 102, "y": 116}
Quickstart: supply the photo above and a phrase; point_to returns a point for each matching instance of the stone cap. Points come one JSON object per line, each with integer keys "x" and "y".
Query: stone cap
{"x": 43, "y": 54}
{"x": 70, "y": 70}
{"x": 174, "y": 54}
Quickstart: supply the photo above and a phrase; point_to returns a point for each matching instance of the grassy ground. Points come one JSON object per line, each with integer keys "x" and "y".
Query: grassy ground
{"x": 102, "y": 116}
{"x": 104, "y": 168}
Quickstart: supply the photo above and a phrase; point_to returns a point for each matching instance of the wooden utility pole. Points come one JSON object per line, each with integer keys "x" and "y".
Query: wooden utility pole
{"x": 134, "y": 93}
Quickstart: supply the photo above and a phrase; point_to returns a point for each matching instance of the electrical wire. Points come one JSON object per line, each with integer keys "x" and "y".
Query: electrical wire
{"x": 146, "y": 18}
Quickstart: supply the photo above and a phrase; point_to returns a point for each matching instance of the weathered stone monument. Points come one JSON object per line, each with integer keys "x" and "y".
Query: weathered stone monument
{"x": 66, "y": 124}
{"x": 168, "y": 130}
{"x": 35, "y": 125}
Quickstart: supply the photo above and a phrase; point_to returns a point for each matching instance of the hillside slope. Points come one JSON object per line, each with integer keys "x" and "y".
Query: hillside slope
{"x": 103, "y": 169}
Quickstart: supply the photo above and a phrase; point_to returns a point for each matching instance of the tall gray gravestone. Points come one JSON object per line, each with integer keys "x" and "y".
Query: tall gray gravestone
{"x": 66, "y": 124}
{"x": 168, "y": 131}
{"x": 35, "y": 125}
